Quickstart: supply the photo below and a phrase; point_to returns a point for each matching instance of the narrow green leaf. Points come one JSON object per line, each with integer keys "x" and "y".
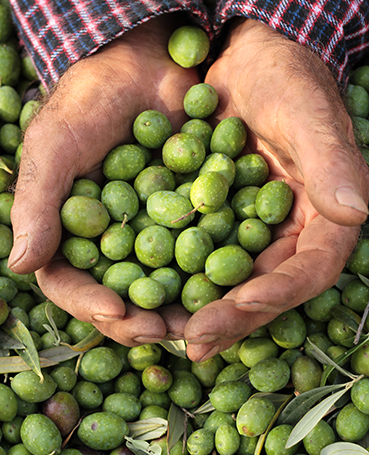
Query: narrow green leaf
{"x": 4, "y": 352}
{"x": 47, "y": 357}
{"x": 364, "y": 279}
{"x": 301, "y": 404}
{"x": 362, "y": 324}
{"x": 5, "y": 167}
{"x": 204, "y": 408}
{"x": 17, "y": 330}
{"x": 59, "y": 354}
{"x": 307, "y": 423}
{"x": 276, "y": 398}
{"x": 177, "y": 347}
{"x": 343, "y": 448}
{"x": 176, "y": 425}
{"x": 340, "y": 360}
{"x": 38, "y": 292}
{"x": 148, "y": 429}
{"x": 262, "y": 437}
{"x": 15, "y": 364}
{"x": 56, "y": 337}
{"x": 138, "y": 447}
{"x": 245, "y": 378}
{"x": 325, "y": 360}
{"x": 344, "y": 280}
{"x": 346, "y": 316}
{"x": 155, "y": 448}
{"x": 91, "y": 340}
{"x": 7, "y": 342}
{"x": 53, "y": 329}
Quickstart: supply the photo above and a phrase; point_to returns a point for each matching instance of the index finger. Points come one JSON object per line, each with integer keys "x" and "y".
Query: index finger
{"x": 321, "y": 253}
{"x": 289, "y": 272}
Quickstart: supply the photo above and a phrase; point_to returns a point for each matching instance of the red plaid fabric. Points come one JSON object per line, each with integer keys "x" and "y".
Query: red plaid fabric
{"x": 58, "y": 33}
{"x": 338, "y": 30}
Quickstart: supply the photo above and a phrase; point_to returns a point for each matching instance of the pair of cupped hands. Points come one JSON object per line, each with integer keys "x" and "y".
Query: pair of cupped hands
{"x": 295, "y": 119}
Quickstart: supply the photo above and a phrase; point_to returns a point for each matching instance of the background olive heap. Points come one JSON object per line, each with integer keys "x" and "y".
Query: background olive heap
{"x": 65, "y": 388}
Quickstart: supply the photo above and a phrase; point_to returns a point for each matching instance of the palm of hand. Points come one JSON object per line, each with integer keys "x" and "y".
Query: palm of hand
{"x": 91, "y": 112}
{"x": 285, "y": 114}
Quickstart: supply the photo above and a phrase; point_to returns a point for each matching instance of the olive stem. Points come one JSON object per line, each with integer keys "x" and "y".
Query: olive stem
{"x": 361, "y": 325}
{"x": 125, "y": 219}
{"x": 195, "y": 209}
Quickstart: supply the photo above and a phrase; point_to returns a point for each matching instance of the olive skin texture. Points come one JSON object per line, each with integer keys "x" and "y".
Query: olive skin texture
{"x": 84, "y": 216}
{"x": 40, "y": 435}
{"x": 186, "y": 390}
{"x": 102, "y": 430}
{"x": 274, "y": 201}
{"x": 254, "y": 416}
{"x": 229, "y": 396}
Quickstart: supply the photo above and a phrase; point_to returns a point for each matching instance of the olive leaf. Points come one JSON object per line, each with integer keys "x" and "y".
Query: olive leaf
{"x": 245, "y": 378}
{"x": 91, "y": 340}
{"x": 15, "y": 364}
{"x": 325, "y": 360}
{"x": 343, "y": 448}
{"x": 361, "y": 325}
{"x": 262, "y": 437}
{"x": 313, "y": 417}
{"x": 138, "y": 447}
{"x": 341, "y": 359}
{"x": 7, "y": 342}
{"x": 346, "y": 316}
{"x": 17, "y": 330}
{"x": 364, "y": 279}
{"x": 147, "y": 429}
{"x": 58, "y": 354}
{"x": 155, "y": 448}
{"x": 142, "y": 447}
{"x": 176, "y": 425}
{"x": 344, "y": 279}
{"x": 301, "y": 404}
{"x": 53, "y": 330}
{"x": 5, "y": 167}
{"x": 176, "y": 347}
{"x": 276, "y": 398}
{"x": 204, "y": 408}
{"x": 4, "y": 352}
{"x": 48, "y": 357}
{"x": 38, "y": 292}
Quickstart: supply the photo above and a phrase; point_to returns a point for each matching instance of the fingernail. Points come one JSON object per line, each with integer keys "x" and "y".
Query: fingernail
{"x": 105, "y": 318}
{"x": 248, "y": 306}
{"x": 147, "y": 339}
{"x": 18, "y": 251}
{"x": 213, "y": 351}
{"x": 203, "y": 339}
{"x": 348, "y": 197}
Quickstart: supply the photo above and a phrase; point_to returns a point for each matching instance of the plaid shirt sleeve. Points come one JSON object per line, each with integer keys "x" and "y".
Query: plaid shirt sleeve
{"x": 337, "y": 30}
{"x": 58, "y": 33}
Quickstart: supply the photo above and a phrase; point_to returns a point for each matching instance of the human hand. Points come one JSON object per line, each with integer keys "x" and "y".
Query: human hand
{"x": 92, "y": 111}
{"x": 297, "y": 121}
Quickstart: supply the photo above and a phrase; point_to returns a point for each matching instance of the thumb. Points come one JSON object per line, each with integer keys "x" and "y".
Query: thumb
{"x": 295, "y": 113}
{"x": 46, "y": 174}
{"x": 334, "y": 171}
{"x": 44, "y": 182}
